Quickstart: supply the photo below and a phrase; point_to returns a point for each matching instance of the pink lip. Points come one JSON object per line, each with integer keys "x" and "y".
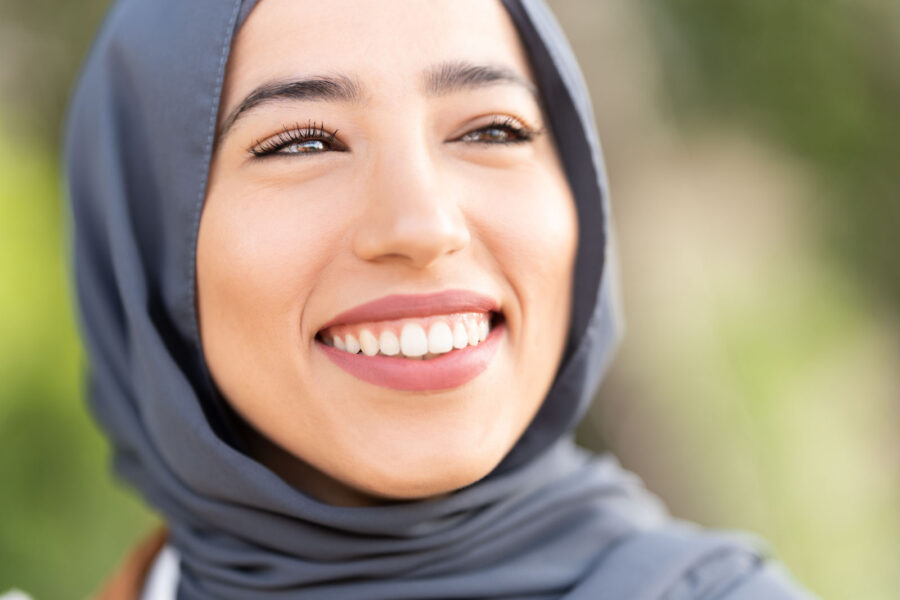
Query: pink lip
{"x": 444, "y": 372}
{"x": 447, "y": 371}
{"x": 398, "y": 306}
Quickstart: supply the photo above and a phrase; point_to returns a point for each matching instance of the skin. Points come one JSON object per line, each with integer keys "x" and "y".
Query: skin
{"x": 409, "y": 203}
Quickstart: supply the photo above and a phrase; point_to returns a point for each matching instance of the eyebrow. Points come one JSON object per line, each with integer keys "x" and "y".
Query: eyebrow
{"x": 324, "y": 87}
{"x": 442, "y": 79}
{"x": 451, "y": 77}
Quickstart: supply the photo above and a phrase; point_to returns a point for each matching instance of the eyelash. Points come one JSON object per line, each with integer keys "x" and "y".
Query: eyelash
{"x": 520, "y": 131}
{"x": 295, "y": 135}
{"x": 515, "y": 131}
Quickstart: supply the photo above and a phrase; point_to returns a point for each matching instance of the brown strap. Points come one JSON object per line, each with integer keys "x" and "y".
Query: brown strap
{"x": 127, "y": 582}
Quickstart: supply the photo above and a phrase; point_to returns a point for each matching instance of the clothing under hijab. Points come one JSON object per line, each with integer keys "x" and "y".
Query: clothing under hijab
{"x": 551, "y": 521}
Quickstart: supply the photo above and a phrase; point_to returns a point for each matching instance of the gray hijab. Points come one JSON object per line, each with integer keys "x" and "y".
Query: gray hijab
{"x": 551, "y": 521}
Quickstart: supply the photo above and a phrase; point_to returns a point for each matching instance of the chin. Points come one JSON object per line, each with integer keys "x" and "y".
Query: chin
{"x": 418, "y": 477}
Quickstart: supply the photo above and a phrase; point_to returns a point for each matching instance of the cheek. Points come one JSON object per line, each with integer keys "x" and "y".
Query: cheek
{"x": 530, "y": 229}
{"x": 259, "y": 253}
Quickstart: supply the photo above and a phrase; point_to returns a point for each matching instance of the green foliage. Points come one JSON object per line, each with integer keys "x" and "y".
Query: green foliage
{"x": 820, "y": 77}
{"x": 42, "y": 43}
{"x": 64, "y": 523}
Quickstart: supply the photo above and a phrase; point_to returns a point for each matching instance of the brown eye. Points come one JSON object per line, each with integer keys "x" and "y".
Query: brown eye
{"x": 314, "y": 138}
{"x": 502, "y": 131}
{"x": 304, "y": 147}
{"x": 491, "y": 135}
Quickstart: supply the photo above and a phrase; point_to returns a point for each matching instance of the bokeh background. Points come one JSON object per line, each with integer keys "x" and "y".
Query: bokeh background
{"x": 754, "y": 153}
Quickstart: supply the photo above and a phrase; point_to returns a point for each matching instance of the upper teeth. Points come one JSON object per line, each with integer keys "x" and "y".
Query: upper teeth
{"x": 412, "y": 338}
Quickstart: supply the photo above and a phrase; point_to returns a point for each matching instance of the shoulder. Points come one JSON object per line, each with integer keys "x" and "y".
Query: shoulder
{"x": 734, "y": 571}
{"x": 682, "y": 562}
{"x": 128, "y": 580}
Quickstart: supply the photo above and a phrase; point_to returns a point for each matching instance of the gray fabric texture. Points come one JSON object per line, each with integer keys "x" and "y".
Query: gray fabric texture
{"x": 548, "y": 522}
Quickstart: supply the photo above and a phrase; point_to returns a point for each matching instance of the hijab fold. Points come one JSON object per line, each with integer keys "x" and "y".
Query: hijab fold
{"x": 139, "y": 141}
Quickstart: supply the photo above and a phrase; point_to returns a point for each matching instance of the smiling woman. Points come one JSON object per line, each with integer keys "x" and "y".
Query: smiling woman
{"x": 420, "y": 199}
{"x": 343, "y": 276}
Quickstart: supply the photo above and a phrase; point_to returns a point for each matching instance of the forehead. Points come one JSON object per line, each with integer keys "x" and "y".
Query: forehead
{"x": 385, "y": 44}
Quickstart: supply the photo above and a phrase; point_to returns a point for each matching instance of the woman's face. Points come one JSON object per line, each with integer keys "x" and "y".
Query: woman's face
{"x": 384, "y": 185}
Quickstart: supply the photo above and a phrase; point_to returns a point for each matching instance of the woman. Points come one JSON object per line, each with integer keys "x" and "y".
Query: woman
{"x": 343, "y": 277}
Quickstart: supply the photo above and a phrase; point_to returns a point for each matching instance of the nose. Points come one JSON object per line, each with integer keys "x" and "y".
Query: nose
{"x": 411, "y": 216}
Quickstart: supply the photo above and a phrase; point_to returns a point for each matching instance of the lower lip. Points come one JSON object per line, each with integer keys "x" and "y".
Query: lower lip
{"x": 444, "y": 372}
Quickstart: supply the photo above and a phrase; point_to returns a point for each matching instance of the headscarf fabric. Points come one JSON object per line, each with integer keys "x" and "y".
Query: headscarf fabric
{"x": 551, "y": 521}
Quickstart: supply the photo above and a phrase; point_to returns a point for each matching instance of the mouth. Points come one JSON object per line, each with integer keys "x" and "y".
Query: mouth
{"x": 416, "y": 342}
{"x": 422, "y": 338}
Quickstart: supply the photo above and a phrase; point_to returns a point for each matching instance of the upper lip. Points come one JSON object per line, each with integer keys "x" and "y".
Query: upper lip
{"x": 398, "y": 306}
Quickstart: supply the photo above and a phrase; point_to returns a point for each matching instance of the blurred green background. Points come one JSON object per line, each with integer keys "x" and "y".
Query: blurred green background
{"x": 754, "y": 153}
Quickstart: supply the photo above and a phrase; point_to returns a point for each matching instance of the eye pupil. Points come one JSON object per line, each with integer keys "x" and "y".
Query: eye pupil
{"x": 496, "y": 134}
{"x": 305, "y": 146}
{"x": 500, "y": 133}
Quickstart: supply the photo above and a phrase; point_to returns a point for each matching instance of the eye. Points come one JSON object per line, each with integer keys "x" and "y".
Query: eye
{"x": 313, "y": 138}
{"x": 304, "y": 147}
{"x": 501, "y": 130}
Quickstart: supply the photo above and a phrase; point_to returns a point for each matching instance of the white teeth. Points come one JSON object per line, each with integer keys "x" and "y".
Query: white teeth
{"x": 443, "y": 335}
{"x": 483, "y": 330}
{"x": 390, "y": 345}
{"x": 460, "y": 338}
{"x": 368, "y": 343}
{"x": 472, "y": 333}
{"x": 412, "y": 340}
{"x": 440, "y": 338}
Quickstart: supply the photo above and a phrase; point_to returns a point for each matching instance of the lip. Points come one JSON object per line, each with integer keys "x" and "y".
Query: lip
{"x": 398, "y": 306}
{"x": 444, "y": 372}
{"x": 447, "y": 371}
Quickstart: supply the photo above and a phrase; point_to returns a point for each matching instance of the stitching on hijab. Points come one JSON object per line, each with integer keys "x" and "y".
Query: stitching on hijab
{"x": 204, "y": 171}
